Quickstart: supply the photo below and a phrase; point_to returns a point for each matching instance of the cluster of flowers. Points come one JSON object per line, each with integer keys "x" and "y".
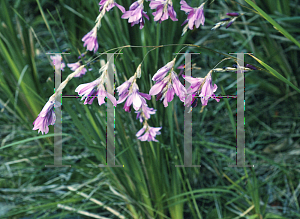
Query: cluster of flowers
{"x": 135, "y": 15}
{"x": 166, "y": 86}
{"x": 164, "y": 9}
{"x": 167, "y": 81}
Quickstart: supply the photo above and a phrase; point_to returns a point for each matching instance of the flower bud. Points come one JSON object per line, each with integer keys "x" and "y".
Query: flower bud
{"x": 81, "y": 56}
{"x": 251, "y": 67}
{"x": 225, "y": 19}
{"x": 234, "y": 14}
{"x": 229, "y": 24}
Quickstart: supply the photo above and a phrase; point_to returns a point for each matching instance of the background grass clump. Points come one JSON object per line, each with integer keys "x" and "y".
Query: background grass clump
{"x": 149, "y": 185}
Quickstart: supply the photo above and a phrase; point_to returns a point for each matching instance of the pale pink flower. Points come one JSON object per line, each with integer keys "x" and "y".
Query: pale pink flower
{"x": 202, "y": 86}
{"x": 149, "y": 133}
{"x": 94, "y": 89}
{"x": 134, "y": 97}
{"x": 74, "y": 66}
{"x": 164, "y": 9}
{"x": 90, "y": 40}
{"x": 136, "y": 13}
{"x": 167, "y": 86}
{"x": 195, "y": 83}
{"x": 208, "y": 90}
{"x": 144, "y": 112}
{"x": 45, "y": 118}
{"x": 161, "y": 73}
{"x": 195, "y": 15}
{"x": 111, "y": 4}
{"x": 123, "y": 88}
{"x": 63, "y": 65}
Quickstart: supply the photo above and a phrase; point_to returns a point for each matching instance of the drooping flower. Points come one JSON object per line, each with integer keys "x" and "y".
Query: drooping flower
{"x": 90, "y": 40}
{"x": 136, "y": 13}
{"x": 161, "y": 73}
{"x": 164, "y": 9}
{"x": 149, "y": 133}
{"x": 208, "y": 90}
{"x": 144, "y": 112}
{"x": 200, "y": 87}
{"x": 45, "y": 118}
{"x": 63, "y": 65}
{"x": 134, "y": 97}
{"x": 76, "y": 65}
{"x": 96, "y": 89}
{"x": 90, "y": 91}
{"x": 167, "y": 86}
{"x": 191, "y": 99}
{"x": 110, "y": 5}
{"x": 195, "y": 16}
{"x": 123, "y": 88}
{"x": 195, "y": 83}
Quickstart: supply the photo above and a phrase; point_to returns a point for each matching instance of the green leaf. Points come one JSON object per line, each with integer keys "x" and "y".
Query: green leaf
{"x": 31, "y": 139}
{"x": 275, "y": 73}
{"x": 276, "y": 25}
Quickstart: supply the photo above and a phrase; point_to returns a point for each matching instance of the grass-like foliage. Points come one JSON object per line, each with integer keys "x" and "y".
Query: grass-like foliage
{"x": 149, "y": 185}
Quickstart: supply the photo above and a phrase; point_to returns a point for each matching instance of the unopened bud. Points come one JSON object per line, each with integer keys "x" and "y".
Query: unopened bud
{"x": 229, "y": 24}
{"x": 225, "y": 19}
{"x": 251, "y": 67}
{"x": 234, "y": 14}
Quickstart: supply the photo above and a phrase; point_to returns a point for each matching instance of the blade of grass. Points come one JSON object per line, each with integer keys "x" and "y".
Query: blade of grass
{"x": 275, "y": 73}
{"x": 276, "y": 25}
